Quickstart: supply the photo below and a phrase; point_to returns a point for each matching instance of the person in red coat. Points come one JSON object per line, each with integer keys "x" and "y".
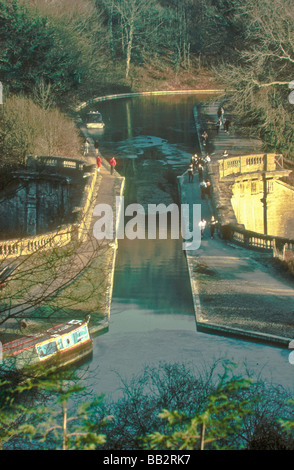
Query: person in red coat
{"x": 98, "y": 160}
{"x": 112, "y": 163}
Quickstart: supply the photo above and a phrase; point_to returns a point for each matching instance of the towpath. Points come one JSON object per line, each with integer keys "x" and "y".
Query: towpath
{"x": 95, "y": 258}
{"x": 236, "y": 291}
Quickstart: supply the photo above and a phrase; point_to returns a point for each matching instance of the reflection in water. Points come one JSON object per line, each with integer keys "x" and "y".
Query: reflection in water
{"x": 153, "y": 274}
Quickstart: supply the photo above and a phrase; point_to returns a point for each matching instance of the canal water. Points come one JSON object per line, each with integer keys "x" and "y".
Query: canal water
{"x": 152, "y": 315}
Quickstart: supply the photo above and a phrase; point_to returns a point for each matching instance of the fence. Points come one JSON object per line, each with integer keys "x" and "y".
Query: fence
{"x": 279, "y": 246}
{"x": 26, "y": 246}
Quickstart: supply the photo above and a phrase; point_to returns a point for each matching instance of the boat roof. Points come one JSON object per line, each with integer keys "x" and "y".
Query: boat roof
{"x": 27, "y": 342}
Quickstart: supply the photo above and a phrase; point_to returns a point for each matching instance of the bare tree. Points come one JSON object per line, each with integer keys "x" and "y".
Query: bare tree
{"x": 134, "y": 16}
{"x": 259, "y": 83}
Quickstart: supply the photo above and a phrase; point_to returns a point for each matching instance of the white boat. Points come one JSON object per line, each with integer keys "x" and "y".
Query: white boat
{"x": 94, "y": 120}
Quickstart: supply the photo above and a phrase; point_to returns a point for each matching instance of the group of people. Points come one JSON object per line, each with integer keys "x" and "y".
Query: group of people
{"x": 112, "y": 161}
{"x": 198, "y": 163}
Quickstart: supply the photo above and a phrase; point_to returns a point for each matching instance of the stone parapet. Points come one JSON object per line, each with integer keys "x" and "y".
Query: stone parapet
{"x": 27, "y": 246}
{"x": 247, "y": 164}
{"x": 57, "y": 162}
{"x": 66, "y": 233}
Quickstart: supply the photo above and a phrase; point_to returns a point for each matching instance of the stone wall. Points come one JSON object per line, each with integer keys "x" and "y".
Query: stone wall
{"x": 33, "y": 205}
{"x": 75, "y": 173}
{"x": 227, "y": 192}
{"x": 281, "y": 214}
{"x": 247, "y": 202}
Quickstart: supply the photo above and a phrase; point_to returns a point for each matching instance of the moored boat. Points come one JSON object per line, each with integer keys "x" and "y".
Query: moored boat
{"x": 56, "y": 347}
{"x": 94, "y": 120}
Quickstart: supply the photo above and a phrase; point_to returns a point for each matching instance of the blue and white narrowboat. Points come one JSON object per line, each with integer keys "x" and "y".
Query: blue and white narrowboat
{"x": 56, "y": 347}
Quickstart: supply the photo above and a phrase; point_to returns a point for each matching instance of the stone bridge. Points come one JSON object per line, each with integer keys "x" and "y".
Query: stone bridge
{"x": 261, "y": 198}
{"x": 251, "y": 196}
{"x": 69, "y": 181}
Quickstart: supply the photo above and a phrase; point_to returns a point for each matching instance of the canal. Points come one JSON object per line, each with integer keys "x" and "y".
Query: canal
{"x": 152, "y": 316}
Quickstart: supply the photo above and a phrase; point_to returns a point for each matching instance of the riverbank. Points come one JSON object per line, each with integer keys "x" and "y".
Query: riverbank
{"x": 234, "y": 292}
{"x": 77, "y": 279}
{"x": 162, "y": 77}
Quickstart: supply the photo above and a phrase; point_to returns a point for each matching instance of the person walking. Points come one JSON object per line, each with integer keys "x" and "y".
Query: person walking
{"x": 86, "y": 146}
{"x": 190, "y": 173}
{"x": 204, "y": 137}
{"x": 200, "y": 171}
{"x": 193, "y": 161}
{"x": 213, "y": 224}
{"x": 222, "y": 115}
{"x": 207, "y": 159}
{"x": 202, "y": 225}
{"x": 98, "y": 161}
{"x": 112, "y": 163}
{"x": 203, "y": 187}
{"x": 96, "y": 145}
{"x": 207, "y": 189}
{"x": 227, "y": 125}
{"x": 219, "y": 113}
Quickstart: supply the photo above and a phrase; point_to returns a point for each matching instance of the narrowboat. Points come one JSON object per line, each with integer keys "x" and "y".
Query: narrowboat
{"x": 56, "y": 347}
{"x": 94, "y": 120}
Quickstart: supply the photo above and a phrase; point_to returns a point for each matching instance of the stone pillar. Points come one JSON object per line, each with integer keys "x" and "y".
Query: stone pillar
{"x": 264, "y": 199}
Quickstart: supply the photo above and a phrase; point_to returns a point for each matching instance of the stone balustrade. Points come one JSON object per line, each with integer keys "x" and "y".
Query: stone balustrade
{"x": 27, "y": 246}
{"x": 279, "y": 246}
{"x": 57, "y": 162}
{"x": 247, "y": 164}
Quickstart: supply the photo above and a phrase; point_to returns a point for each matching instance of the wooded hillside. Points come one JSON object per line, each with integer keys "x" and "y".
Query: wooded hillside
{"x": 57, "y": 52}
